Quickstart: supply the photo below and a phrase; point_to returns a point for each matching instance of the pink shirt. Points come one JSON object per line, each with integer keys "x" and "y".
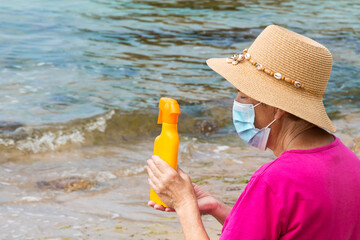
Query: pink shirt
{"x": 303, "y": 194}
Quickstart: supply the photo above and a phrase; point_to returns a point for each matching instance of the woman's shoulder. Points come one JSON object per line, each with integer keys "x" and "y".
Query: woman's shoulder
{"x": 309, "y": 164}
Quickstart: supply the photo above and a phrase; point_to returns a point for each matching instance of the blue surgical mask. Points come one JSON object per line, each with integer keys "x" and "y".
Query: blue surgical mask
{"x": 243, "y": 118}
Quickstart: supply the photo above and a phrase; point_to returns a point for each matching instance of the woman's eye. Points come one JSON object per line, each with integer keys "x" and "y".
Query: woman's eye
{"x": 242, "y": 97}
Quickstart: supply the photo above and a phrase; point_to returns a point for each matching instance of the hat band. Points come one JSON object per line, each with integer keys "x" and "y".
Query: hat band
{"x": 236, "y": 58}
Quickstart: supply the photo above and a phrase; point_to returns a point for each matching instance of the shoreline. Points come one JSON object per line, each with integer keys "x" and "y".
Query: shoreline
{"x": 116, "y": 207}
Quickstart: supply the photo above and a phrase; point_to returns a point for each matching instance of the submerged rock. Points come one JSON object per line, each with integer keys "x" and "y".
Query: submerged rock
{"x": 69, "y": 184}
{"x": 206, "y": 127}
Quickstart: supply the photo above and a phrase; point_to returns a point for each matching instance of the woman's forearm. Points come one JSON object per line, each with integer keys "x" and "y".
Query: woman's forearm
{"x": 191, "y": 222}
{"x": 221, "y": 212}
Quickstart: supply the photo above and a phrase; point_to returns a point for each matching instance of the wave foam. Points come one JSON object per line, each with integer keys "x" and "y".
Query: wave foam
{"x": 52, "y": 140}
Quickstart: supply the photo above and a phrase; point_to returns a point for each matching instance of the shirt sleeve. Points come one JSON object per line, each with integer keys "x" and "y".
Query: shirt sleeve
{"x": 256, "y": 215}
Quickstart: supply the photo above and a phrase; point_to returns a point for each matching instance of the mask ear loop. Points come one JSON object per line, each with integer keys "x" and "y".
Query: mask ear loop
{"x": 270, "y": 123}
{"x": 257, "y": 104}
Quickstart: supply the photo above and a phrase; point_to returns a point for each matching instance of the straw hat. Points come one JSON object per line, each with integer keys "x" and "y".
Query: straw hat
{"x": 282, "y": 69}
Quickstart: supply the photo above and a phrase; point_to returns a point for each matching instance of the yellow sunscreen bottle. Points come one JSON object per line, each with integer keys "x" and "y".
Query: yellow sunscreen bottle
{"x": 166, "y": 145}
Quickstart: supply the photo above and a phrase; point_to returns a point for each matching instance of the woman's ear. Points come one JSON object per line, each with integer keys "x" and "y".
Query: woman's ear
{"x": 279, "y": 113}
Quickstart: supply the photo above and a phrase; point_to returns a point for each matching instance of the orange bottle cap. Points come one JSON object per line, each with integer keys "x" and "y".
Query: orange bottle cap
{"x": 169, "y": 111}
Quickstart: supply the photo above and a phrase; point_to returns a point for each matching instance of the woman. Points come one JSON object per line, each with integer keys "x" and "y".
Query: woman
{"x": 312, "y": 189}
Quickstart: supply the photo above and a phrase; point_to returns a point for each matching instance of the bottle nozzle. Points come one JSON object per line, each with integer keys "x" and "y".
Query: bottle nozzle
{"x": 169, "y": 111}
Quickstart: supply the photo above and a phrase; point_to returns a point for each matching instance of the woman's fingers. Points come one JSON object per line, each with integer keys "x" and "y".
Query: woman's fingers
{"x": 154, "y": 169}
{"x": 153, "y": 174}
{"x": 152, "y": 185}
{"x": 151, "y": 203}
{"x": 160, "y": 172}
{"x": 169, "y": 209}
{"x": 150, "y": 172}
{"x": 159, "y": 168}
{"x": 153, "y": 180}
{"x": 161, "y": 165}
{"x": 158, "y": 207}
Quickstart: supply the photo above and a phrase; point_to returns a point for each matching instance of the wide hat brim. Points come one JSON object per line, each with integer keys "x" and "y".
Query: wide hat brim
{"x": 265, "y": 88}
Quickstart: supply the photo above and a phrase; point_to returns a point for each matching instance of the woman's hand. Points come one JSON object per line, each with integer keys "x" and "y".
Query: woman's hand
{"x": 206, "y": 202}
{"x": 173, "y": 187}
{"x": 211, "y": 205}
{"x": 176, "y": 189}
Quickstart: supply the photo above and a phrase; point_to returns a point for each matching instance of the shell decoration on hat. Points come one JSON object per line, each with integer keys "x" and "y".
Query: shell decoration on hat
{"x": 236, "y": 58}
